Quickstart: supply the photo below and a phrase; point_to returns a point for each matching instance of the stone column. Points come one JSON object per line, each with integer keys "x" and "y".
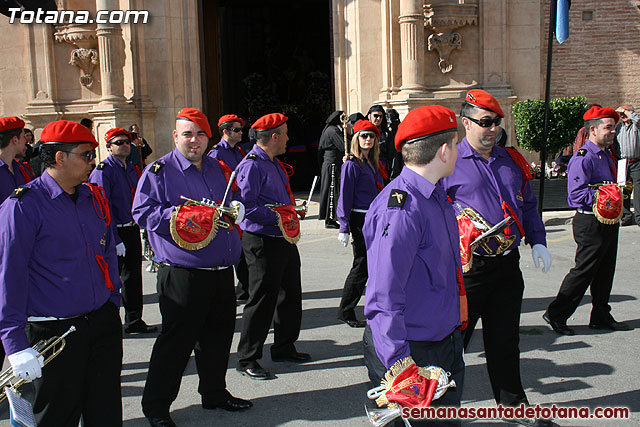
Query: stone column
{"x": 411, "y": 21}
{"x": 111, "y": 49}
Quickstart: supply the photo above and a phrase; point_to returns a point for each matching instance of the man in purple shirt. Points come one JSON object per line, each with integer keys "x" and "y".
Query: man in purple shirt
{"x": 12, "y": 143}
{"x": 58, "y": 268}
{"x": 119, "y": 178}
{"x": 229, "y": 152}
{"x": 597, "y": 242}
{"x": 195, "y": 285}
{"x": 412, "y": 301}
{"x": 488, "y": 179}
{"x": 275, "y": 290}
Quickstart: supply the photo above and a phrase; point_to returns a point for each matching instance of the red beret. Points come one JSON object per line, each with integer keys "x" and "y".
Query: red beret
{"x": 600, "y": 113}
{"x": 425, "y": 121}
{"x": 11, "y": 123}
{"x": 270, "y": 121}
{"x": 366, "y": 125}
{"x": 482, "y": 99}
{"x": 230, "y": 118}
{"x": 112, "y": 133}
{"x": 66, "y": 131}
{"x": 197, "y": 117}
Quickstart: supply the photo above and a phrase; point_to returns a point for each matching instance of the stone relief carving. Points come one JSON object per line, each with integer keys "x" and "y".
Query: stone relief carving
{"x": 85, "y": 56}
{"x": 443, "y": 19}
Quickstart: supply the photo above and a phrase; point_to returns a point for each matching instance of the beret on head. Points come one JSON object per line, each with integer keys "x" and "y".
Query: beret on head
{"x": 375, "y": 108}
{"x": 197, "y": 117}
{"x": 112, "y": 133}
{"x": 600, "y": 113}
{"x": 68, "y": 132}
{"x": 482, "y": 99}
{"x": 269, "y": 121}
{"x": 10, "y": 123}
{"x": 355, "y": 117}
{"x": 366, "y": 125}
{"x": 230, "y": 118}
{"x": 425, "y": 121}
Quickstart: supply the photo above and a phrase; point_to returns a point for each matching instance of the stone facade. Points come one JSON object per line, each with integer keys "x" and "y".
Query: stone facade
{"x": 398, "y": 53}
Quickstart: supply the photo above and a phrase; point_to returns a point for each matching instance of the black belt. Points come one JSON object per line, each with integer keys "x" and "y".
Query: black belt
{"x": 222, "y": 267}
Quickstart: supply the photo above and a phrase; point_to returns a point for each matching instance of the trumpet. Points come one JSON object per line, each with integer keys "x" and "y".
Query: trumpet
{"x": 504, "y": 242}
{"x": 231, "y": 211}
{"x": 53, "y": 345}
{"x": 298, "y": 208}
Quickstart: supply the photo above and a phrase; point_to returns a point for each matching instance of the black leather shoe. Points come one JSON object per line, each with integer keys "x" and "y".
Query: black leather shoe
{"x": 257, "y": 373}
{"x": 612, "y": 326}
{"x": 355, "y": 323}
{"x": 139, "y": 327}
{"x": 557, "y": 326}
{"x": 331, "y": 224}
{"x": 295, "y": 357}
{"x": 231, "y": 404}
{"x": 161, "y": 422}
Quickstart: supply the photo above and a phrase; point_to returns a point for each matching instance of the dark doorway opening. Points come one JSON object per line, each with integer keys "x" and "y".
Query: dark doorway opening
{"x": 272, "y": 57}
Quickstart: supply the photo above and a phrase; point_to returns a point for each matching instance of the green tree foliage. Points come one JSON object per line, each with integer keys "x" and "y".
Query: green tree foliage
{"x": 565, "y": 119}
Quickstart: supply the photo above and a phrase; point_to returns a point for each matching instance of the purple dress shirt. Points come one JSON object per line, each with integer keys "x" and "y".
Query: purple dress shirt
{"x": 159, "y": 191}
{"x": 231, "y": 156}
{"x": 119, "y": 186}
{"x": 591, "y": 166}
{"x": 9, "y": 181}
{"x": 261, "y": 182}
{"x": 48, "y": 268}
{"x": 357, "y": 189}
{"x": 482, "y": 185}
{"x": 412, "y": 255}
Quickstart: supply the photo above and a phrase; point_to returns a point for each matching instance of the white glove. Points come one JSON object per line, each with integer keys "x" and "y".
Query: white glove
{"x": 343, "y": 238}
{"x": 120, "y": 249}
{"x": 240, "y": 210}
{"x": 541, "y": 252}
{"x": 26, "y": 364}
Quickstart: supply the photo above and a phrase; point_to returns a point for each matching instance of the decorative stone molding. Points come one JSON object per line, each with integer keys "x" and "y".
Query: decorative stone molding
{"x": 86, "y": 60}
{"x": 85, "y": 56}
{"x": 443, "y": 19}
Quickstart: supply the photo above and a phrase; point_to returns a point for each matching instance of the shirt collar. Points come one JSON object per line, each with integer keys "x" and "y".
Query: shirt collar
{"x": 592, "y": 147}
{"x": 258, "y": 151}
{"x": 418, "y": 182}
{"x": 54, "y": 189}
{"x": 182, "y": 161}
{"x": 466, "y": 150}
{"x": 114, "y": 160}
{"x": 224, "y": 144}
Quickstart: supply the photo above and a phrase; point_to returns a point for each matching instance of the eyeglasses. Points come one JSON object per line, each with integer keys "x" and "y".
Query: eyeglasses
{"x": 88, "y": 155}
{"x": 367, "y": 135}
{"x": 119, "y": 142}
{"x": 486, "y": 122}
{"x": 236, "y": 130}
{"x": 377, "y": 116}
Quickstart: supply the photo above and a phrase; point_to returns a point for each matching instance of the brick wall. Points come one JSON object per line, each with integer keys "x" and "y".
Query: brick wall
{"x": 601, "y": 58}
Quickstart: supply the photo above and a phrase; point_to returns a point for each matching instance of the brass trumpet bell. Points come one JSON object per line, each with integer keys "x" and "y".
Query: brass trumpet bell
{"x": 230, "y": 212}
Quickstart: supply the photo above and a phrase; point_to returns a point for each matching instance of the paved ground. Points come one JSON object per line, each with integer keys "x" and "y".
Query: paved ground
{"x": 589, "y": 369}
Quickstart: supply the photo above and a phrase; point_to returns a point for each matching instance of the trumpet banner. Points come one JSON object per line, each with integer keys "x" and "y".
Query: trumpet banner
{"x": 194, "y": 227}
{"x": 607, "y": 204}
{"x": 468, "y": 233}
{"x": 288, "y": 222}
{"x": 408, "y": 385}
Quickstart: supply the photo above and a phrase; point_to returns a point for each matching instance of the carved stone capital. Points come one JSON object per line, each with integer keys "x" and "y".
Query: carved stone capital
{"x": 86, "y": 60}
{"x": 444, "y": 44}
{"x": 85, "y": 56}
{"x": 443, "y": 19}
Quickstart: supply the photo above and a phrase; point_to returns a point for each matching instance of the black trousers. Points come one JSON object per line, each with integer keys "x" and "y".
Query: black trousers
{"x": 275, "y": 293}
{"x": 494, "y": 288}
{"x": 447, "y": 354}
{"x": 357, "y": 278}
{"x": 84, "y": 379}
{"x": 198, "y": 310}
{"x": 595, "y": 266}
{"x": 633, "y": 173}
{"x": 242, "y": 274}
{"x": 130, "y": 267}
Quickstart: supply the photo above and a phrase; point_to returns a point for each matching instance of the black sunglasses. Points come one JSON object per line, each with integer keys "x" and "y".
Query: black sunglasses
{"x": 486, "y": 122}
{"x": 377, "y": 116}
{"x": 88, "y": 155}
{"x": 120, "y": 142}
{"x": 236, "y": 130}
{"x": 365, "y": 135}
